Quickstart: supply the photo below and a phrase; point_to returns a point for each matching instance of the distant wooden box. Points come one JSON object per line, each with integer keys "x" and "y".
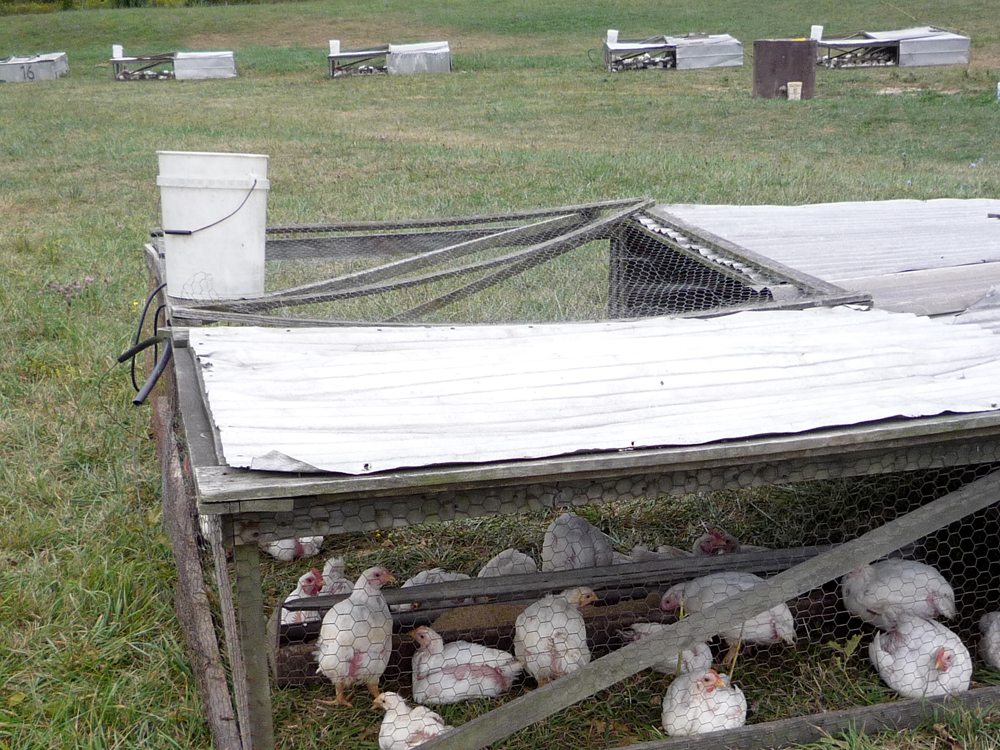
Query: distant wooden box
{"x": 22, "y": 69}
{"x": 778, "y": 61}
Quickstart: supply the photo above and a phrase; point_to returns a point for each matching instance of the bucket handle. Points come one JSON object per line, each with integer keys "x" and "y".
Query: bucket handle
{"x": 214, "y": 223}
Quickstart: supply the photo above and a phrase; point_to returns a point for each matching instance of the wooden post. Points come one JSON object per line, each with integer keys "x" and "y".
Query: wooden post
{"x": 778, "y": 61}
{"x": 192, "y": 606}
{"x": 253, "y": 643}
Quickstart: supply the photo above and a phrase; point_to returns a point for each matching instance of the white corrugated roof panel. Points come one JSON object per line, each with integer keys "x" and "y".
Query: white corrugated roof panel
{"x": 835, "y": 241}
{"x": 358, "y": 400}
{"x": 928, "y": 257}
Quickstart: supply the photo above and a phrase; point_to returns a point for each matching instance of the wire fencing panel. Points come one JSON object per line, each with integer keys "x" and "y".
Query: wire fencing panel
{"x": 917, "y": 624}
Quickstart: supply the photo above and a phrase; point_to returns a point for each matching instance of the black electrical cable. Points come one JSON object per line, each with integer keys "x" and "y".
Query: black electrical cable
{"x": 161, "y": 365}
{"x": 138, "y": 332}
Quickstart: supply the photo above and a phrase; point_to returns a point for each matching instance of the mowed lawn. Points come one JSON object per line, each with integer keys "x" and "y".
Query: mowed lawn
{"x": 90, "y": 652}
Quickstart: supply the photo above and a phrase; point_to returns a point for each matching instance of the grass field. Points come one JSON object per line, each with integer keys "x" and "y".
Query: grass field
{"x": 90, "y": 655}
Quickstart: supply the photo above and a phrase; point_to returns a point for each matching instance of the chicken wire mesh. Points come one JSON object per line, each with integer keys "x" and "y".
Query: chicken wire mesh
{"x": 440, "y": 623}
{"x": 597, "y": 261}
{"x": 919, "y": 623}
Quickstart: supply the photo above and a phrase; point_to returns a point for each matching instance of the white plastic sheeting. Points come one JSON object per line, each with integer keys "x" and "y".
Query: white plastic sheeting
{"x": 358, "y": 400}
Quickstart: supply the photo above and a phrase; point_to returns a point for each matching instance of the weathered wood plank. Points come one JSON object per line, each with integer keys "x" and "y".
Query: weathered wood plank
{"x": 199, "y": 433}
{"x": 629, "y": 577}
{"x": 212, "y": 530}
{"x": 193, "y": 611}
{"x": 938, "y": 291}
{"x": 447, "y": 222}
{"x": 806, "y": 729}
{"x": 253, "y": 639}
{"x": 224, "y": 484}
{"x": 619, "y": 665}
{"x": 185, "y": 314}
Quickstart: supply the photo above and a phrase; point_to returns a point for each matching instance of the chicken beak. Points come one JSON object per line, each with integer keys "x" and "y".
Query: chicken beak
{"x": 377, "y": 703}
{"x": 719, "y": 682}
{"x": 942, "y": 661}
{"x": 319, "y": 578}
{"x": 390, "y": 578}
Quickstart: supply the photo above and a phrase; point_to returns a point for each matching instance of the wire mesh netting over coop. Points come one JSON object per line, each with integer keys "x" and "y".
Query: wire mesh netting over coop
{"x": 471, "y": 628}
{"x": 617, "y": 259}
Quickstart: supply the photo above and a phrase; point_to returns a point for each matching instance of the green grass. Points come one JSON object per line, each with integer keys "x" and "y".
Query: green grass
{"x": 90, "y": 653}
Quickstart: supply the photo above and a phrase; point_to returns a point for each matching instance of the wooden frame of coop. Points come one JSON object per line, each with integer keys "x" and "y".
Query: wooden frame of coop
{"x": 242, "y": 508}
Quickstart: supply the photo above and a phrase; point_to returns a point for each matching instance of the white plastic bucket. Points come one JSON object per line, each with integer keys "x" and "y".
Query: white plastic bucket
{"x": 214, "y": 210}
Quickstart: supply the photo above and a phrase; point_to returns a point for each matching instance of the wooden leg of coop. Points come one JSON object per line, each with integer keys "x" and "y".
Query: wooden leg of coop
{"x": 193, "y": 610}
{"x": 253, "y": 643}
{"x": 212, "y": 529}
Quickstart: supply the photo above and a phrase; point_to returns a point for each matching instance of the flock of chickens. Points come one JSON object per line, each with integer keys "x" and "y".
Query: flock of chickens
{"x": 914, "y": 654}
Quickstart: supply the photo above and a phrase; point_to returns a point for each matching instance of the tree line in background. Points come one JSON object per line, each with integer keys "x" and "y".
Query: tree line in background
{"x": 17, "y": 7}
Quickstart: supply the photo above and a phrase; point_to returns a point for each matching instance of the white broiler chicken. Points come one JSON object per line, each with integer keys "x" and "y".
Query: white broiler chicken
{"x": 701, "y": 702}
{"x": 406, "y": 726}
{"x": 697, "y": 658}
{"x": 309, "y": 585}
{"x": 919, "y": 658}
{"x": 460, "y": 670}
{"x": 425, "y": 577}
{"x": 571, "y": 542}
{"x": 772, "y": 626}
{"x": 334, "y": 580}
{"x": 355, "y": 639}
{"x": 989, "y": 642}
{"x": 550, "y": 636}
{"x": 294, "y": 548}
{"x": 874, "y": 592}
{"x": 510, "y": 562}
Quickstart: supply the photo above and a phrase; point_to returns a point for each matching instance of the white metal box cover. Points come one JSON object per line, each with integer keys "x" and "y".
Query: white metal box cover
{"x": 46, "y": 67}
{"x": 713, "y": 51}
{"x": 918, "y": 46}
{"x": 927, "y": 45}
{"x": 946, "y": 49}
{"x": 196, "y": 66}
{"x": 425, "y": 57}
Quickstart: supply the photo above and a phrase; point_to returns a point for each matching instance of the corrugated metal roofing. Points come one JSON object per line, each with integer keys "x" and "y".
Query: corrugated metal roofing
{"x": 358, "y": 400}
{"x": 927, "y": 257}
